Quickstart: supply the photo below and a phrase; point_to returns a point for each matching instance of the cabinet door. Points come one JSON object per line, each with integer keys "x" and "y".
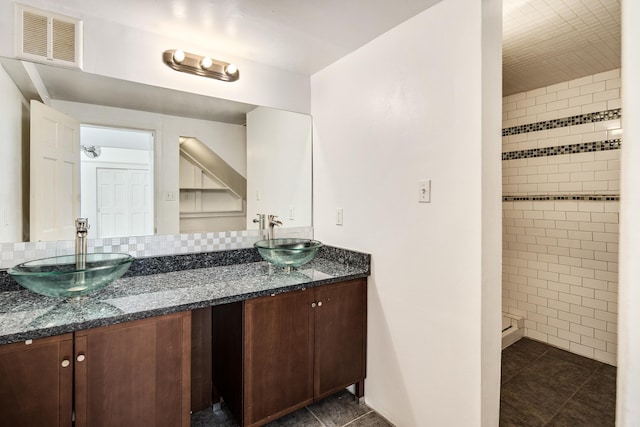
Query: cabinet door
{"x": 340, "y": 336}
{"x": 36, "y": 386}
{"x": 278, "y": 344}
{"x": 135, "y": 373}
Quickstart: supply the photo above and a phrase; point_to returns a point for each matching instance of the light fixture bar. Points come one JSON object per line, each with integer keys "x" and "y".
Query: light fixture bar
{"x": 200, "y": 65}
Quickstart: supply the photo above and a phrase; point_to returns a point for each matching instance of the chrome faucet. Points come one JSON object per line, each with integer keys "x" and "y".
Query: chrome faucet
{"x": 262, "y": 221}
{"x": 272, "y": 223}
{"x": 82, "y": 229}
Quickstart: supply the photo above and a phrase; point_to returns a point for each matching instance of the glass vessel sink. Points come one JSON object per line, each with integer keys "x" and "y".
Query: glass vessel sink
{"x": 288, "y": 253}
{"x": 62, "y": 276}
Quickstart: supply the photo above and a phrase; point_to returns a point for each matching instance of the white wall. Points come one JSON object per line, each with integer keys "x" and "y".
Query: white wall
{"x": 628, "y": 393}
{"x": 13, "y": 111}
{"x": 114, "y": 50}
{"x": 227, "y": 140}
{"x": 278, "y": 148}
{"x": 491, "y": 338}
{"x": 433, "y": 342}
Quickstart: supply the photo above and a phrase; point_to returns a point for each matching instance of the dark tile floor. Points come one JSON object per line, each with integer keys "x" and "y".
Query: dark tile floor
{"x": 338, "y": 410}
{"x": 543, "y": 386}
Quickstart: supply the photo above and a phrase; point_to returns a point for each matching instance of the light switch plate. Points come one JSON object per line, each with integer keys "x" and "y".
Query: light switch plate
{"x": 424, "y": 191}
{"x": 339, "y": 216}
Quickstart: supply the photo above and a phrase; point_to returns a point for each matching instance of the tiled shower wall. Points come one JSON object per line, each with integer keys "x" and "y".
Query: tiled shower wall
{"x": 561, "y": 181}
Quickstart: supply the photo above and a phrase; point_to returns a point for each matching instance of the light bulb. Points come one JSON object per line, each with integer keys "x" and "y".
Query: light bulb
{"x": 178, "y": 56}
{"x": 206, "y": 63}
{"x": 231, "y": 69}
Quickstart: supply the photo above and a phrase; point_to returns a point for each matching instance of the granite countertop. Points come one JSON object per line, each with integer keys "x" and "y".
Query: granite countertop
{"x": 163, "y": 285}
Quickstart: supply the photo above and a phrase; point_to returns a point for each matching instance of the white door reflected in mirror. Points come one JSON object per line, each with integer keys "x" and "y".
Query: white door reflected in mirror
{"x": 54, "y": 174}
{"x": 117, "y": 184}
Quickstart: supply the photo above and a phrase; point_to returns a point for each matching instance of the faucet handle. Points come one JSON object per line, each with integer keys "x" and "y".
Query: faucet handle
{"x": 273, "y": 220}
{"x": 82, "y": 224}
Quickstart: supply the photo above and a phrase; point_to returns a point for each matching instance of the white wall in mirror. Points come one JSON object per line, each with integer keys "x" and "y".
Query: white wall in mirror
{"x": 279, "y": 166}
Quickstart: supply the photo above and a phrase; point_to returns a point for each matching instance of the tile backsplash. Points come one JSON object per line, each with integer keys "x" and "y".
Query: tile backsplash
{"x": 144, "y": 246}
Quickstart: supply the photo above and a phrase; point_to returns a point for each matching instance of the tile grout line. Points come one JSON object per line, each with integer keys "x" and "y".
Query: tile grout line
{"x": 593, "y": 373}
{"x": 315, "y": 416}
{"x": 570, "y": 397}
{"x": 357, "y": 418}
{"x": 525, "y": 368}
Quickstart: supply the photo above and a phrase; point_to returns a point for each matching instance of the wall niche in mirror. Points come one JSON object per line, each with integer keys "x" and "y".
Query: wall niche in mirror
{"x": 221, "y": 125}
{"x": 212, "y": 193}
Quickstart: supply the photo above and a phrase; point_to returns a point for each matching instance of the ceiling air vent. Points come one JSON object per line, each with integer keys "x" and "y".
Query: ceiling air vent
{"x": 48, "y": 37}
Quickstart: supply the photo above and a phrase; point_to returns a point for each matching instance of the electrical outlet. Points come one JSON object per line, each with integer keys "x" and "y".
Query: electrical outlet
{"x": 339, "y": 216}
{"x": 424, "y": 191}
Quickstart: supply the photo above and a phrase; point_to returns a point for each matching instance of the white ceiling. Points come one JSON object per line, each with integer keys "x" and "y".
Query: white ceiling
{"x": 300, "y": 35}
{"x": 551, "y": 41}
{"x": 544, "y": 42}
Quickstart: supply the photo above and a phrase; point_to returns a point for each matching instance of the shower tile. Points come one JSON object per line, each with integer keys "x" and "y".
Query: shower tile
{"x": 599, "y": 392}
{"x": 576, "y": 413}
{"x": 533, "y": 398}
{"x": 557, "y": 375}
{"x": 555, "y": 388}
{"x": 514, "y": 361}
{"x": 608, "y": 371}
{"x": 532, "y": 347}
{"x": 510, "y": 416}
{"x": 574, "y": 358}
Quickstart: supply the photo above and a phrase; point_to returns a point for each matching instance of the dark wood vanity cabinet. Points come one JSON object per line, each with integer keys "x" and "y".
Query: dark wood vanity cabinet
{"x": 36, "y": 382}
{"x": 134, "y": 373}
{"x": 340, "y": 337}
{"x": 275, "y": 354}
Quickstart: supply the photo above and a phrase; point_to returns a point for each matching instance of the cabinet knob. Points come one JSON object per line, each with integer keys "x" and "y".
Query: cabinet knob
{"x": 319, "y": 303}
{"x": 65, "y": 363}
{"x": 313, "y": 304}
{"x": 80, "y": 357}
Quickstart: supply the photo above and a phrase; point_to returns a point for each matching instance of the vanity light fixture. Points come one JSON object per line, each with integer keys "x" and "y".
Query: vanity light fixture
{"x": 200, "y": 65}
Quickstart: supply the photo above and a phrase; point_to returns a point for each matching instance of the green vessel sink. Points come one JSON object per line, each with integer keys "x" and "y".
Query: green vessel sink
{"x": 69, "y": 277}
{"x": 288, "y": 253}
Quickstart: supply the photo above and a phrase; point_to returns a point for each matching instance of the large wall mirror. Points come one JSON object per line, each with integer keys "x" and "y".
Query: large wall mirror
{"x": 150, "y": 159}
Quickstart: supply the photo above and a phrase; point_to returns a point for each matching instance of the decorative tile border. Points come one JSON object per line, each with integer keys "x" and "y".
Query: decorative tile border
{"x": 609, "y": 144}
{"x": 583, "y": 197}
{"x": 144, "y": 246}
{"x": 564, "y": 122}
